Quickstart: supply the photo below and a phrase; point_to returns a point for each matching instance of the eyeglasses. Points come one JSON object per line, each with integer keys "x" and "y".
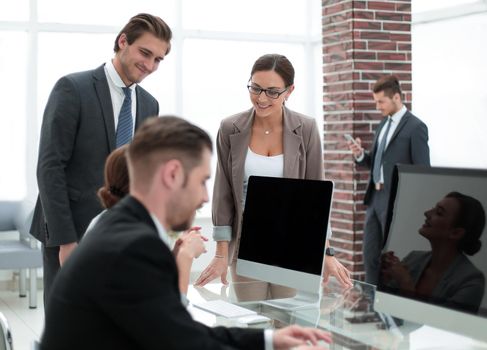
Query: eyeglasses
{"x": 271, "y": 93}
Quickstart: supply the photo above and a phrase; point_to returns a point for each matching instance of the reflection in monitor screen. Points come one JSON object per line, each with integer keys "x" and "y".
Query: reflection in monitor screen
{"x": 435, "y": 255}
{"x": 284, "y": 232}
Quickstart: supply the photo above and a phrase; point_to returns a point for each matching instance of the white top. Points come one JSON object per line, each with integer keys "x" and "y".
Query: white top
{"x": 257, "y": 164}
{"x": 116, "y": 84}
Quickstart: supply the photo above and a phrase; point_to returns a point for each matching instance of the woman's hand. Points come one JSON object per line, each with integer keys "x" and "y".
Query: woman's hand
{"x": 335, "y": 268}
{"x": 392, "y": 270}
{"x": 218, "y": 267}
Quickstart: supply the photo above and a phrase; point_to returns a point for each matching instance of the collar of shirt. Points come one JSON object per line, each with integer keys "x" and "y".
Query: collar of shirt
{"x": 161, "y": 231}
{"x": 114, "y": 78}
{"x": 396, "y": 117}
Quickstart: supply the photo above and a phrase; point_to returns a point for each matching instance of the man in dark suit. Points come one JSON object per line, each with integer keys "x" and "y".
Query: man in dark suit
{"x": 119, "y": 289}
{"x": 401, "y": 138}
{"x": 88, "y": 114}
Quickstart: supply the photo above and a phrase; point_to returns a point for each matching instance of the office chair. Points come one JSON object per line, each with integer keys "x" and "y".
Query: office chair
{"x": 21, "y": 253}
{"x": 5, "y": 335}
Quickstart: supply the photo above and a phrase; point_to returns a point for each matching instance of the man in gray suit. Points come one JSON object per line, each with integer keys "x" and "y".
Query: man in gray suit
{"x": 88, "y": 115}
{"x": 401, "y": 138}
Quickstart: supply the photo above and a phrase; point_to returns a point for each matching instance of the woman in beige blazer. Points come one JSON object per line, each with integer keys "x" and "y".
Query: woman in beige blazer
{"x": 285, "y": 142}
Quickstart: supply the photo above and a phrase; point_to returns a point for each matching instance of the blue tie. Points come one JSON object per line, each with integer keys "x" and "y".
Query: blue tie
{"x": 379, "y": 153}
{"x": 125, "y": 122}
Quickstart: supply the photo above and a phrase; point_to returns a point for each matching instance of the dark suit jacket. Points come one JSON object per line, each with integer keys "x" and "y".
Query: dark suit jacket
{"x": 462, "y": 285}
{"x": 408, "y": 145}
{"x": 77, "y": 135}
{"x": 119, "y": 290}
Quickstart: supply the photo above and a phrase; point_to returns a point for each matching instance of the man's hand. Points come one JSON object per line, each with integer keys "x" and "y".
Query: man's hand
{"x": 356, "y": 147}
{"x": 65, "y": 251}
{"x": 218, "y": 267}
{"x": 297, "y": 336}
{"x": 182, "y": 237}
{"x": 191, "y": 244}
{"x": 334, "y": 268}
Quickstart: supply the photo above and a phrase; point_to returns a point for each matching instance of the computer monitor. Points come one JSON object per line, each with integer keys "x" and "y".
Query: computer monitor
{"x": 432, "y": 267}
{"x": 283, "y": 237}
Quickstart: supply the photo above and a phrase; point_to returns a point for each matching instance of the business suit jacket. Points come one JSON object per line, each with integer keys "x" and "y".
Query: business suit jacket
{"x": 303, "y": 159}
{"x": 408, "y": 145}
{"x": 77, "y": 135}
{"x": 461, "y": 286}
{"x": 119, "y": 290}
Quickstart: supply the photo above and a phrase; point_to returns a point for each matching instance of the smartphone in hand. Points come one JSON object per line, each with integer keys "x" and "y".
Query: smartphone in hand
{"x": 349, "y": 137}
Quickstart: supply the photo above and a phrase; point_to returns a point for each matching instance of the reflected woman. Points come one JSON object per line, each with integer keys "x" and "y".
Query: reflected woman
{"x": 267, "y": 140}
{"x": 445, "y": 274}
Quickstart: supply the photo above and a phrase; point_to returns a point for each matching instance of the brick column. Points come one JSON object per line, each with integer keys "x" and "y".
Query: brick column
{"x": 362, "y": 40}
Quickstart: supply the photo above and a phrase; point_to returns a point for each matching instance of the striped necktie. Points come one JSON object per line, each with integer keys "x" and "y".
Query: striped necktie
{"x": 379, "y": 153}
{"x": 125, "y": 122}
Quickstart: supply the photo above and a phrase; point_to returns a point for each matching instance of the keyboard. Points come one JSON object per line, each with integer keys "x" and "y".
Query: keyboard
{"x": 224, "y": 308}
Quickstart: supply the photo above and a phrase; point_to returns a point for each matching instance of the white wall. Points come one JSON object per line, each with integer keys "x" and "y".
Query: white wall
{"x": 450, "y": 88}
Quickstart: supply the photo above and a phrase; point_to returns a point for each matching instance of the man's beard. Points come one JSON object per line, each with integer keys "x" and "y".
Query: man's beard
{"x": 181, "y": 227}
{"x": 182, "y": 223}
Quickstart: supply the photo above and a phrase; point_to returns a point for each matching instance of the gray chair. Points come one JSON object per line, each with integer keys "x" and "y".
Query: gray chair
{"x": 5, "y": 334}
{"x": 21, "y": 253}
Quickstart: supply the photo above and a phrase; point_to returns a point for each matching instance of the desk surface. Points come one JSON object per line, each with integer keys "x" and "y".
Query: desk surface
{"x": 348, "y": 315}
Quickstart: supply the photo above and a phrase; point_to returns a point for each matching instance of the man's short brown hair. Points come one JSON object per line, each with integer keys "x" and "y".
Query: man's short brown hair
{"x": 389, "y": 84}
{"x": 160, "y": 139}
{"x": 145, "y": 23}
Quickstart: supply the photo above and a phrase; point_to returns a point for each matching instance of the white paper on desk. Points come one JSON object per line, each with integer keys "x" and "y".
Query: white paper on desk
{"x": 431, "y": 338}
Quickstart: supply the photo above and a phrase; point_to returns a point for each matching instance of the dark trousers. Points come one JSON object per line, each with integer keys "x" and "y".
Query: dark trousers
{"x": 375, "y": 221}
{"x": 50, "y": 256}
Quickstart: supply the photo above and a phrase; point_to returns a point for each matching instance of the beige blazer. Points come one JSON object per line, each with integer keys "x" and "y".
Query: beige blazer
{"x": 303, "y": 159}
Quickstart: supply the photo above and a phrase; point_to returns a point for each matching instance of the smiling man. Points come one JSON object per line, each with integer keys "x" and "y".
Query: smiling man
{"x": 87, "y": 116}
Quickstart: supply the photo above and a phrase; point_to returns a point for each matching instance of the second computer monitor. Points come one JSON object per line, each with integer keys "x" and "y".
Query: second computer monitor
{"x": 434, "y": 263}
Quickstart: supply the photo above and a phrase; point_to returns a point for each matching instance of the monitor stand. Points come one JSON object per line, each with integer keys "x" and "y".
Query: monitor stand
{"x": 302, "y": 300}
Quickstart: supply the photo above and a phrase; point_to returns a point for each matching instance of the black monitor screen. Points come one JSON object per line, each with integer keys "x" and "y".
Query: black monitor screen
{"x": 436, "y": 247}
{"x": 285, "y": 223}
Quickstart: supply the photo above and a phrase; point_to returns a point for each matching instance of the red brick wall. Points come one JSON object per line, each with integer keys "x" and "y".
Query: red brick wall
{"x": 362, "y": 40}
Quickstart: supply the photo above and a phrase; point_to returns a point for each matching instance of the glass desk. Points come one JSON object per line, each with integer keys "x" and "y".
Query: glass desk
{"x": 347, "y": 314}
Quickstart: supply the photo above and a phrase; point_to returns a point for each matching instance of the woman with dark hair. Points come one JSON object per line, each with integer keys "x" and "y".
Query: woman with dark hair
{"x": 269, "y": 139}
{"x": 116, "y": 184}
{"x": 453, "y": 228}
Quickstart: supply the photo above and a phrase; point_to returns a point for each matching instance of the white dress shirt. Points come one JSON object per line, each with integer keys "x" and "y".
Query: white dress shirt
{"x": 116, "y": 84}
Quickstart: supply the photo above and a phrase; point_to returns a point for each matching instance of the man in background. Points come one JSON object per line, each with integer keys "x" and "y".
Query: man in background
{"x": 119, "y": 289}
{"x": 88, "y": 115}
{"x": 401, "y": 138}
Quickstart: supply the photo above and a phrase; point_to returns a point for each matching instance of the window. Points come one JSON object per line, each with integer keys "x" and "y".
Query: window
{"x": 13, "y": 70}
{"x": 203, "y": 78}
